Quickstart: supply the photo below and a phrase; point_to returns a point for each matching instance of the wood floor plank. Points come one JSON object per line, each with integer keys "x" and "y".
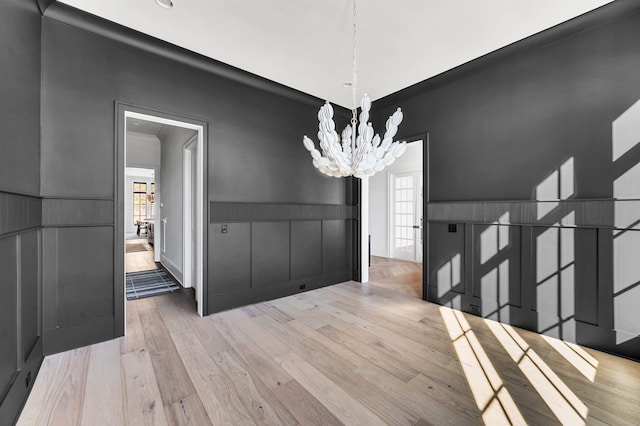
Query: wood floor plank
{"x": 306, "y": 409}
{"x": 274, "y": 312}
{"x": 38, "y": 398}
{"x": 187, "y": 412}
{"x": 221, "y": 403}
{"x": 173, "y": 379}
{"x": 65, "y": 395}
{"x": 382, "y": 360}
{"x": 346, "y": 408}
{"x": 104, "y": 396}
{"x": 263, "y": 406}
{"x": 142, "y": 402}
{"x": 250, "y": 328}
{"x": 272, "y": 374}
{"x": 134, "y": 339}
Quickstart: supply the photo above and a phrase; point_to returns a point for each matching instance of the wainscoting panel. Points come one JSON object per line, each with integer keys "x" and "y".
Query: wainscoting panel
{"x": 229, "y": 257}
{"x": 262, "y": 212}
{"x": 8, "y": 314}
{"x": 270, "y": 253}
{"x": 76, "y": 212}
{"x": 306, "y": 259}
{"x": 77, "y": 286}
{"x": 582, "y": 213}
{"x": 586, "y": 276}
{"x": 20, "y": 325}
{"x": 447, "y": 274}
{"x": 496, "y": 269}
{"x": 276, "y": 250}
{"x": 556, "y": 276}
{"x": 29, "y": 290}
{"x": 19, "y": 212}
{"x": 335, "y": 241}
{"x": 85, "y": 274}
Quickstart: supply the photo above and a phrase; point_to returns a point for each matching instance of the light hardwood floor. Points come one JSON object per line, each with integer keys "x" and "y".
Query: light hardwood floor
{"x": 346, "y": 354}
{"x": 139, "y": 260}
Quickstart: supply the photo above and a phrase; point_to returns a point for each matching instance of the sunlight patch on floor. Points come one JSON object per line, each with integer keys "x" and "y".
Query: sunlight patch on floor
{"x": 578, "y": 357}
{"x": 564, "y": 404}
{"x": 491, "y": 397}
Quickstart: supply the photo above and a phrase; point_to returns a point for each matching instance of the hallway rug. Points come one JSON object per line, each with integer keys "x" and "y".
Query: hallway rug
{"x": 137, "y": 247}
{"x": 149, "y": 283}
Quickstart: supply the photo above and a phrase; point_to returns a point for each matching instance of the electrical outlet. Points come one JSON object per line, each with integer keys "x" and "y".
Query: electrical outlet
{"x": 27, "y": 380}
{"x": 223, "y": 228}
{"x": 303, "y": 286}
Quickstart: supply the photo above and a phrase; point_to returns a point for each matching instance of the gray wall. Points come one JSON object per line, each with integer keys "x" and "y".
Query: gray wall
{"x": 20, "y": 206}
{"x": 255, "y": 155}
{"x": 171, "y": 176}
{"x": 540, "y": 137}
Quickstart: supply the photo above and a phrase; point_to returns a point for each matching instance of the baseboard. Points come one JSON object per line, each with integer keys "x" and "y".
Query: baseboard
{"x": 379, "y": 253}
{"x": 172, "y": 270}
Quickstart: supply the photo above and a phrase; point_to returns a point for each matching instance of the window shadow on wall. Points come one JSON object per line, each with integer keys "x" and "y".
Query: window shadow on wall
{"x": 625, "y": 275}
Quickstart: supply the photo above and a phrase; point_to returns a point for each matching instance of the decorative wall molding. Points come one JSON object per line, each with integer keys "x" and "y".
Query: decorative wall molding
{"x": 19, "y": 212}
{"x": 265, "y": 212}
{"x": 618, "y": 214}
{"x": 76, "y": 212}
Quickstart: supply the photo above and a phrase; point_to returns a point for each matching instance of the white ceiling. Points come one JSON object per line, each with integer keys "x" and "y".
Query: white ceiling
{"x": 144, "y": 126}
{"x": 136, "y": 171}
{"x": 306, "y": 44}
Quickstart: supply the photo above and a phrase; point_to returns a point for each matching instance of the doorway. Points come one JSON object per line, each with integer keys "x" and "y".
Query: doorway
{"x": 405, "y": 218}
{"x": 178, "y": 199}
{"x": 395, "y": 200}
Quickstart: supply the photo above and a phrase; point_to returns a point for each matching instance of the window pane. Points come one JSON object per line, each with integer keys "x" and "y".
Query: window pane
{"x": 140, "y": 187}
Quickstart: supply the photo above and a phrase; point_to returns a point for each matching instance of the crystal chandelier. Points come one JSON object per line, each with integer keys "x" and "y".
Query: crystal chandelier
{"x": 362, "y": 154}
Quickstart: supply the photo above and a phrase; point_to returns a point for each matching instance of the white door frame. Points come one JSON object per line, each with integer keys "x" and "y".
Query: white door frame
{"x": 199, "y": 191}
{"x": 188, "y": 151}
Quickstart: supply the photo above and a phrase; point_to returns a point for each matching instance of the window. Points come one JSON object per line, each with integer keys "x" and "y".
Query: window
{"x": 152, "y": 201}
{"x": 139, "y": 201}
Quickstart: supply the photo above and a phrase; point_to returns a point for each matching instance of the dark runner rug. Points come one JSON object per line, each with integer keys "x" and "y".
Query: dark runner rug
{"x": 149, "y": 283}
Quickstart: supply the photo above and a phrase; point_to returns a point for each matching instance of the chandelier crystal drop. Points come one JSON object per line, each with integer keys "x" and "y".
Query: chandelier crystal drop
{"x": 356, "y": 152}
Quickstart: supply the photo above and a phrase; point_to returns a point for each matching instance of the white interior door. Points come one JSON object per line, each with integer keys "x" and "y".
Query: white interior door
{"x": 406, "y": 214}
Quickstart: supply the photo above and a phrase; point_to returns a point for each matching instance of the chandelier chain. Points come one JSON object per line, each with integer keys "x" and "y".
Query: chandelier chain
{"x": 355, "y": 75}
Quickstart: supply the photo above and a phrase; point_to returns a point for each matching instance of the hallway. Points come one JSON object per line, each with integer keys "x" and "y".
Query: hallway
{"x": 139, "y": 255}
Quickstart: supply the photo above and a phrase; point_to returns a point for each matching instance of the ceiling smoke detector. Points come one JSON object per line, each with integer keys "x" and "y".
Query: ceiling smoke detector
{"x": 167, "y": 4}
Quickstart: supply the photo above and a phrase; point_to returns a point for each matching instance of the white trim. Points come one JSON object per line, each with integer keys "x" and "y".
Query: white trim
{"x": 173, "y": 269}
{"x": 364, "y": 230}
{"x": 187, "y": 210}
